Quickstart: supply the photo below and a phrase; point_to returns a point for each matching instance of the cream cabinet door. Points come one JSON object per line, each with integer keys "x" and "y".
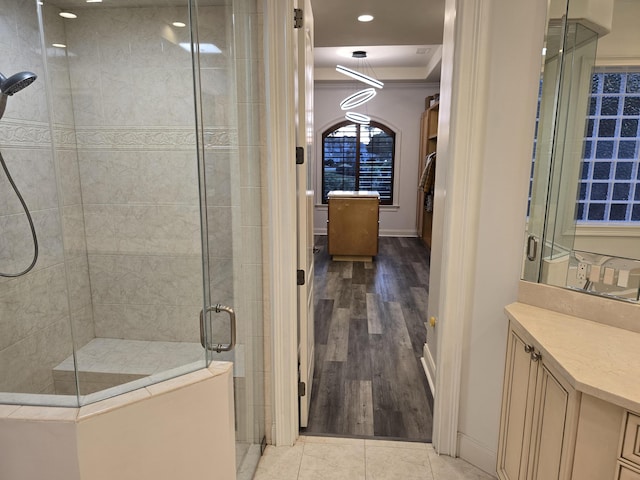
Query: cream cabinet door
{"x": 547, "y": 451}
{"x": 539, "y": 417}
{"x": 518, "y": 396}
{"x": 626, "y": 473}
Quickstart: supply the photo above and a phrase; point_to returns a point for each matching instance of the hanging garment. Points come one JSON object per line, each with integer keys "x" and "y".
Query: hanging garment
{"x": 427, "y": 179}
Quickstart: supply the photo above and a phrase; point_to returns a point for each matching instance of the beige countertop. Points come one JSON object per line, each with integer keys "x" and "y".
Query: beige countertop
{"x": 597, "y": 359}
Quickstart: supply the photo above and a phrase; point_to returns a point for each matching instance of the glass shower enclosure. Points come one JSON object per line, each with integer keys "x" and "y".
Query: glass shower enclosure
{"x": 567, "y": 62}
{"x": 137, "y": 152}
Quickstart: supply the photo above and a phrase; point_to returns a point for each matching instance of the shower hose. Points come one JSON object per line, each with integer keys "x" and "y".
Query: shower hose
{"x": 26, "y": 211}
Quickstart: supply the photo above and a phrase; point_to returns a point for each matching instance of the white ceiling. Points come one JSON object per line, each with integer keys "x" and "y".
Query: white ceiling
{"x": 403, "y": 42}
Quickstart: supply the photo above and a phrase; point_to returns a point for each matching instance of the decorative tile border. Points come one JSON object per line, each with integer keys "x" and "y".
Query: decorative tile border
{"x": 22, "y": 134}
{"x": 152, "y": 138}
{"x": 16, "y": 134}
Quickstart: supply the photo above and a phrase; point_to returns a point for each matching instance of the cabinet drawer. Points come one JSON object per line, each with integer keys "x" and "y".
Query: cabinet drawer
{"x": 626, "y": 473}
{"x": 631, "y": 441}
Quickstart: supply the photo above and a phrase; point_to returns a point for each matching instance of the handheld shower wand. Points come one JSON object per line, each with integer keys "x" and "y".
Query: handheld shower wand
{"x": 9, "y": 86}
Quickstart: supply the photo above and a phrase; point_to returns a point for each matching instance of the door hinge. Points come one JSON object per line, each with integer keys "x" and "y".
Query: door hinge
{"x": 297, "y": 18}
{"x": 299, "y": 155}
{"x": 300, "y": 277}
{"x": 302, "y": 389}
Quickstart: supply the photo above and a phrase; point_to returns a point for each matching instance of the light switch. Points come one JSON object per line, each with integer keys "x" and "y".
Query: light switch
{"x": 623, "y": 278}
{"x": 594, "y": 274}
{"x": 608, "y": 275}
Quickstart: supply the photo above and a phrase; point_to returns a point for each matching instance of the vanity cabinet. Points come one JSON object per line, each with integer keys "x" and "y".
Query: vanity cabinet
{"x": 571, "y": 399}
{"x": 538, "y": 417}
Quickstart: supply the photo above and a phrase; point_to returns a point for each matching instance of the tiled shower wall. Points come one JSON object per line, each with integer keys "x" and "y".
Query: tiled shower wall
{"x": 35, "y": 309}
{"x": 134, "y": 113}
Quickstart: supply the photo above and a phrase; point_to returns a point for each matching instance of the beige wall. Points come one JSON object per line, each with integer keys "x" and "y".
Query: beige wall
{"x": 622, "y": 45}
{"x": 512, "y": 76}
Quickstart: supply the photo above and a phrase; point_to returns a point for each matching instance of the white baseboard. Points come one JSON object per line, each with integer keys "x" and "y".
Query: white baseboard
{"x": 387, "y": 232}
{"x": 429, "y": 366}
{"x": 382, "y": 233}
{"x": 432, "y": 386}
{"x": 477, "y": 454}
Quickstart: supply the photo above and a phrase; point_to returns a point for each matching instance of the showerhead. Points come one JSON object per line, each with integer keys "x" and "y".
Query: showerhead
{"x": 15, "y": 83}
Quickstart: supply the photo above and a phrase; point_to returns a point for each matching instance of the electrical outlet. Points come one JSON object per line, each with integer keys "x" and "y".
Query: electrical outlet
{"x": 582, "y": 271}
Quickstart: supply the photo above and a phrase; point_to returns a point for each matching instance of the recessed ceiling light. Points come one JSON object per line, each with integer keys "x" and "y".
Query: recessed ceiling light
{"x": 59, "y": 45}
{"x": 68, "y": 15}
{"x": 365, "y": 18}
{"x": 179, "y": 24}
{"x": 94, "y": 1}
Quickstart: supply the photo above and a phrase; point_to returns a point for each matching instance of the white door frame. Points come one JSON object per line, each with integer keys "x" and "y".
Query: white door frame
{"x": 305, "y": 207}
{"x": 465, "y": 68}
{"x": 463, "y": 97}
{"x": 281, "y": 192}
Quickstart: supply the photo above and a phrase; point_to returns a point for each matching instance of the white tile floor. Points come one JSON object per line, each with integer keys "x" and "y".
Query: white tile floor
{"x": 353, "y": 459}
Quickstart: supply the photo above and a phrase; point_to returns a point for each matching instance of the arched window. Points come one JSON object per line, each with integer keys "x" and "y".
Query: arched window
{"x": 358, "y": 157}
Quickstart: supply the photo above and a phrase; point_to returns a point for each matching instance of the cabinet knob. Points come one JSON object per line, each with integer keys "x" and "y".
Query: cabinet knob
{"x": 432, "y": 322}
{"x": 528, "y": 348}
{"x": 535, "y": 356}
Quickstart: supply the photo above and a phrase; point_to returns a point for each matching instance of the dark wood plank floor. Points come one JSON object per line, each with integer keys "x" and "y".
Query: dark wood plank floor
{"x": 369, "y": 334}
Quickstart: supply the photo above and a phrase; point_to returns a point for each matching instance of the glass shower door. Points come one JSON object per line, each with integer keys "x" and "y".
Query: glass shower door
{"x": 228, "y": 68}
{"x": 568, "y": 61}
{"x": 546, "y": 124}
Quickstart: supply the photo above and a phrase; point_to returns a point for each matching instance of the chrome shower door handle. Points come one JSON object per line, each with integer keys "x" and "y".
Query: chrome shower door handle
{"x": 532, "y": 248}
{"x": 219, "y": 347}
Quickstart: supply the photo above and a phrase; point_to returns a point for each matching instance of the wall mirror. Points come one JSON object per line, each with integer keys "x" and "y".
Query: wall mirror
{"x": 583, "y": 229}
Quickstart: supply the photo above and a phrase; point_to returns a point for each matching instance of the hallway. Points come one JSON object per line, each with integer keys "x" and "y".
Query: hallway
{"x": 369, "y": 333}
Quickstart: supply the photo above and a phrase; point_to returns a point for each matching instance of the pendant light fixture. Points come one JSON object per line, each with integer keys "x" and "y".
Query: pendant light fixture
{"x": 356, "y": 117}
{"x": 359, "y": 76}
{"x": 358, "y": 98}
{"x": 362, "y": 96}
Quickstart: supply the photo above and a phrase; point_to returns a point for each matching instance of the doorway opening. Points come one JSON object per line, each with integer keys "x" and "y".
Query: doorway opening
{"x": 369, "y": 334}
